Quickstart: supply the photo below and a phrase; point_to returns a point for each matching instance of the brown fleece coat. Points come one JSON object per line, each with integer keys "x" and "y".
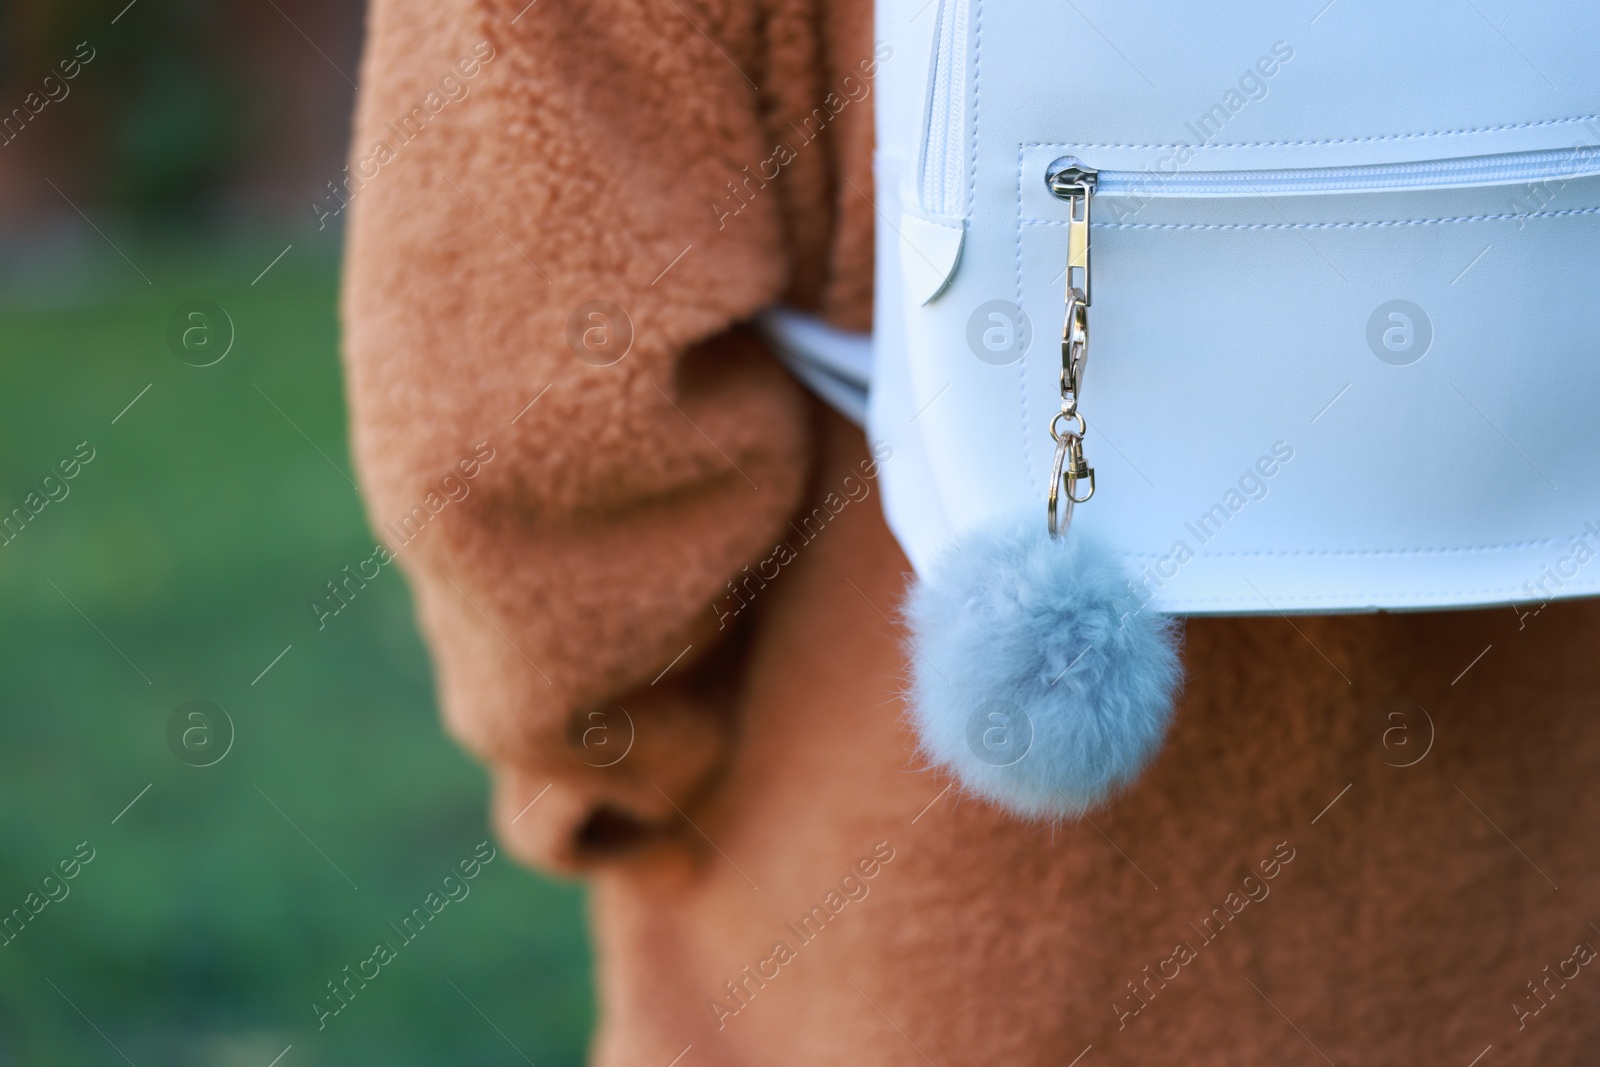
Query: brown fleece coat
{"x": 593, "y": 160}
{"x": 1277, "y": 889}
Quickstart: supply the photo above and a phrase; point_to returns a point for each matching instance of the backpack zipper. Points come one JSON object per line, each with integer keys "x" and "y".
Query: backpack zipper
{"x": 1510, "y": 168}
{"x": 1073, "y": 181}
{"x": 942, "y": 172}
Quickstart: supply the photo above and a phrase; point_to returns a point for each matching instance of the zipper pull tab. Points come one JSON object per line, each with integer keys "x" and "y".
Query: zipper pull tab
{"x": 1073, "y": 182}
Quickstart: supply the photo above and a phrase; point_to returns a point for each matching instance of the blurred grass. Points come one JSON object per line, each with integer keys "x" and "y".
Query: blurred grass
{"x": 188, "y": 549}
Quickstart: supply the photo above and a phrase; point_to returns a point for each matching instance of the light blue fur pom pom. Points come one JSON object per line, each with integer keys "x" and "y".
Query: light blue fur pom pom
{"x": 1035, "y": 675}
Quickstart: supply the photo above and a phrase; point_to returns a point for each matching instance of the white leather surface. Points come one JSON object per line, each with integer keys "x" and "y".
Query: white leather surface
{"x": 1223, "y": 327}
{"x": 930, "y": 249}
{"x": 835, "y": 364}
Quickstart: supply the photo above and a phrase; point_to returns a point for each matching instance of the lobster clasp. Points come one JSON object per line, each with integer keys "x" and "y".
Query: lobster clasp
{"x": 1074, "y": 346}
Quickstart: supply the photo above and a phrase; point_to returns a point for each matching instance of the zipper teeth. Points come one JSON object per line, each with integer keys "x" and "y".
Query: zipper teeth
{"x": 1438, "y": 173}
{"x": 956, "y": 111}
{"x": 942, "y": 187}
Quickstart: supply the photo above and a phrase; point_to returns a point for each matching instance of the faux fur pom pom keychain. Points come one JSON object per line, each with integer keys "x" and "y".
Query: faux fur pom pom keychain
{"x": 1035, "y": 675}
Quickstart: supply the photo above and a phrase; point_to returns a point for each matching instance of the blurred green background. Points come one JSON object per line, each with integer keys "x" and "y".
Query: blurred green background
{"x": 179, "y": 566}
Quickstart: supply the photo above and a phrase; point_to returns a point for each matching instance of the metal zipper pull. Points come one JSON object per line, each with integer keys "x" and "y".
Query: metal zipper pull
{"x": 1073, "y": 182}
{"x": 1069, "y": 180}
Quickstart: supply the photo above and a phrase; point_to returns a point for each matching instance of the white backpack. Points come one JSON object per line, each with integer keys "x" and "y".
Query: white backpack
{"x": 1297, "y": 303}
{"x": 1343, "y": 321}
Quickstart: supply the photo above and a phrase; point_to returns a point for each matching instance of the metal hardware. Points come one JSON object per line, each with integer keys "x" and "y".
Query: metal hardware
{"x": 1068, "y": 179}
{"x": 1074, "y": 349}
{"x": 1069, "y": 173}
{"x": 1068, "y": 470}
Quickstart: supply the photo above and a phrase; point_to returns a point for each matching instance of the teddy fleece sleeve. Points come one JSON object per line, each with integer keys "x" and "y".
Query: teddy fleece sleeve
{"x": 563, "y": 434}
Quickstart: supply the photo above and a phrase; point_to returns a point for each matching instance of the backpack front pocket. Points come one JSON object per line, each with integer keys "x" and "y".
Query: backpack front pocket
{"x": 1337, "y": 273}
{"x": 1336, "y": 381}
